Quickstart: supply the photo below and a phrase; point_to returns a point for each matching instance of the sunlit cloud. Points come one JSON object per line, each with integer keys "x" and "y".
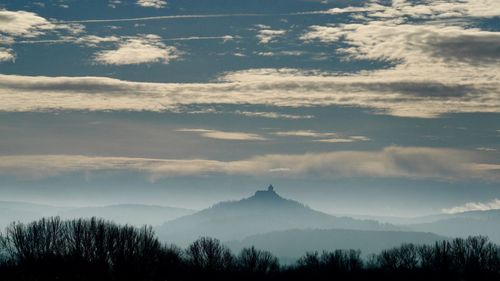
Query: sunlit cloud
{"x": 6, "y": 54}
{"x": 145, "y": 49}
{"x": 29, "y": 25}
{"x": 281, "y": 53}
{"x": 344, "y": 139}
{"x": 323, "y": 137}
{"x": 305, "y": 133}
{"x": 391, "y": 162}
{"x": 272, "y": 115}
{"x": 487, "y": 149}
{"x": 152, "y": 3}
{"x": 439, "y": 60}
{"x": 22, "y": 23}
{"x": 277, "y": 87}
{"x": 224, "y": 135}
{"x": 402, "y": 9}
{"x": 474, "y": 206}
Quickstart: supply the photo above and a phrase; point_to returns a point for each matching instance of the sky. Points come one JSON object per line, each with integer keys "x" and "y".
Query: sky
{"x": 387, "y": 108}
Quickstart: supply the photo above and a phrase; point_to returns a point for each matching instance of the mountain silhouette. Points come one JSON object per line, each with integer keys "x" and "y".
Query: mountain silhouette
{"x": 265, "y": 211}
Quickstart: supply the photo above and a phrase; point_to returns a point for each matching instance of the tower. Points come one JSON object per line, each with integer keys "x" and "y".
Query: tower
{"x": 270, "y": 188}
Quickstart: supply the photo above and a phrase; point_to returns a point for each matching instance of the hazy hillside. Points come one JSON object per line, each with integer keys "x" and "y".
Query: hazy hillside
{"x": 291, "y": 244}
{"x": 134, "y": 214}
{"x": 465, "y": 224}
{"x": 24, "y": 212}
{"x": 266, "y": 211}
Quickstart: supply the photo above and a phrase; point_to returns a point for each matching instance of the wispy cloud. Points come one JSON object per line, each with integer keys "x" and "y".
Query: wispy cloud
{"x": 267, "y": 35}
{"x": 273, "y": 115}
{"x": 474, "y": 206}
{"x": 392, "y": 162}
{"x": 487, "y": 149}
{"x": 281, "y": 53}
{"x": 305, "y": 133}
{"x": 225, "y": 135}
{"x": 155, "y": 18}
{"x": 347, "y": 139}
{"x": 324, "y": 137}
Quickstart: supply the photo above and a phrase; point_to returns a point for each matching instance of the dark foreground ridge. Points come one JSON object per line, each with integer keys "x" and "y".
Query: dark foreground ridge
{"x": 93, "y": 249}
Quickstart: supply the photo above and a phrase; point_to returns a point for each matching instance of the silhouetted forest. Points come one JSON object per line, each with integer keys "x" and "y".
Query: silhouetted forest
{"x": 94, "y": 249}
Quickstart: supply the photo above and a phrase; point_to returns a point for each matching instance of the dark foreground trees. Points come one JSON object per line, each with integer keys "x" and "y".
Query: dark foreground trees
{"x": 93, "y": 249}
{"x": 85, "y": 249}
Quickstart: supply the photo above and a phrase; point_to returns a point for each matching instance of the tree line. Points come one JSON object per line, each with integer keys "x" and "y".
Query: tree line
{"x": 95, "y": 249}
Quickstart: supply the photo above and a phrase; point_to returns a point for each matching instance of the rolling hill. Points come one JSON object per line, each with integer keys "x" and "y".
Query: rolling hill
{"x": 133, "y": 214}
{"x": 292, "y": 244}
{"x": 464, "y": 224}
{"x": 263, "y": 212}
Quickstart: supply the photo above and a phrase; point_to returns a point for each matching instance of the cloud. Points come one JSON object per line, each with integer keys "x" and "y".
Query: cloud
{"x": 152, "y": 3}
{"x": 276, "y": 87}
{"x": 336, "y": 140}
{"x": 487, "y": 149}
{"x": 94, "y": 41}
{"x": 145, "y": 49}
{"x": 442, "y": 60}
{"x": 272, "y": 115}
{"x": 267, "y": 35}
{"x": 305, "y": 133}
{"x": 30, "y": 25}
{"x": 224, "y": 135}
{"x": 403, "y": 10}
{"x": 6, "y": 55}
{"x": 389, "y": 36}
{"x": 254, "y": 114}
{"x": 22, "y": 23}
{"x": 155, "y": 18}
{"x": 473, "y": 48}
{"x": 474, "y": 206}
{"x": 391, "y": 162}
{"x": 113, "y": 3}
{"x": 281, "y": 53}
{"x": 344, "y": 139}
{"x": 326, "y": 137}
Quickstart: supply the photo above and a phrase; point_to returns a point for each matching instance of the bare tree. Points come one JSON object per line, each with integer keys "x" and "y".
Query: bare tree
{"x": 251, "y": 260}
{"x": 208, "y": 254}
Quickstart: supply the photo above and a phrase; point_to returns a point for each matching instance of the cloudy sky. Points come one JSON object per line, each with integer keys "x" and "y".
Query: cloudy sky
{"x": 380, "y": 107}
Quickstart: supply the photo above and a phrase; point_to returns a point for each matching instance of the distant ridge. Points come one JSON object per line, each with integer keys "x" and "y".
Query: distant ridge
{"x": 292, "y": 244}
{"x": 464, "y": 224}
{"x": 132, "y": 214}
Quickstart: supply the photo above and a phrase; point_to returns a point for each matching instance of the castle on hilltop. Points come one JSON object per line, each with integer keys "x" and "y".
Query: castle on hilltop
{"x": 267, "y": 193}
